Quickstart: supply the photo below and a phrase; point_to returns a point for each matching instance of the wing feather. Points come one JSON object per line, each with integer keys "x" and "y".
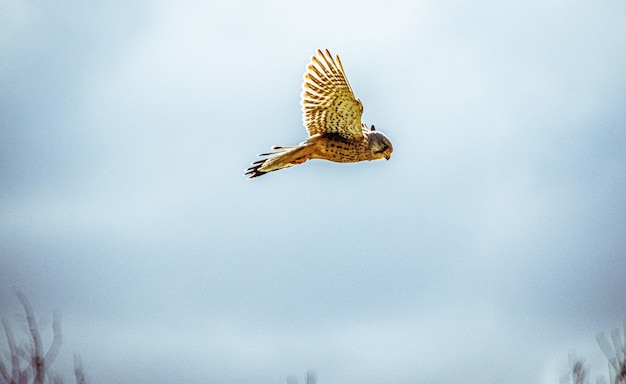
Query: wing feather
{"x": 328, "y": 103}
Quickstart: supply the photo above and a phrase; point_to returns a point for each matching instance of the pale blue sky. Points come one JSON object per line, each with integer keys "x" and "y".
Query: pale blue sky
{"x": 489, "y": 246}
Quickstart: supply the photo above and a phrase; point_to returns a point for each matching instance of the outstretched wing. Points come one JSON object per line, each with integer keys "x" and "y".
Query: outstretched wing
{"x": 328, "y": 103}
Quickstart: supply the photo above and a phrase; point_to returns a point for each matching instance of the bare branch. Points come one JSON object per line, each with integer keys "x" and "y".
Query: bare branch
{"x": 617, "y": 344}
{"x": 79, "y": 373}
{"x": 53, "y": 352}
{"x": 607, "y": 350}
{"x": 26, "y": 363}
{"x": 24, "y": 377}
{"x": 38, "y": 362}
{"x": 4, "y": 373}
{"x": 15, "y": 370}
{"x": 579, "y": 373}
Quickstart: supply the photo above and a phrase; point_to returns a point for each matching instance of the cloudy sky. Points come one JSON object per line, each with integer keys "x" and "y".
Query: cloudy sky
{"x": 489, "y": 247}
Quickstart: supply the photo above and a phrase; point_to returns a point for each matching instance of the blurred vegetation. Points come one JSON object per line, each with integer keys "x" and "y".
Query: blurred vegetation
{"x": 615, "y": 352}
{"x": 28, "y": 362}
{"x": 309, "y": 378}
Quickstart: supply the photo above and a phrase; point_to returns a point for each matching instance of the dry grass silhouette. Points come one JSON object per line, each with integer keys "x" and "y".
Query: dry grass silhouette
{"x": 29, "y": 362}
{"x": 615, "y": 352}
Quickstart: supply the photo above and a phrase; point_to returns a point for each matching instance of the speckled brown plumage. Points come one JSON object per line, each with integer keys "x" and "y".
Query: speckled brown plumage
{"x": 332, "y": 116}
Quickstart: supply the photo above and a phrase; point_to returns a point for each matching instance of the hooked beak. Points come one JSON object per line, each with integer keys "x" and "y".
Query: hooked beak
{"x": 388, "y": 156}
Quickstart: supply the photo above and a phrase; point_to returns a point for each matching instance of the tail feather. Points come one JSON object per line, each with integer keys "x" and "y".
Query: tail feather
{"x": 284, "y": 157}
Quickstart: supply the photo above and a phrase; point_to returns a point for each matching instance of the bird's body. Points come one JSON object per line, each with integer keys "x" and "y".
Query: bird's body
{"x": 335, "y": 147}
{"x": 332, "y": 116}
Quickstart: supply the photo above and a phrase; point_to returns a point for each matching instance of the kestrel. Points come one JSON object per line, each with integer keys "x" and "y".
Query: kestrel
{"x": 332, "y": 116}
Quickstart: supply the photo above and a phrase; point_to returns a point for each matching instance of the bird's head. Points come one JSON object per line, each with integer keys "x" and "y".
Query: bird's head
{"x": 378, "y": 145}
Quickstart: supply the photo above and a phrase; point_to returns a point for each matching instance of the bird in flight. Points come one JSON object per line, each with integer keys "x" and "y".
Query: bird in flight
{"x": 332, "y": 117}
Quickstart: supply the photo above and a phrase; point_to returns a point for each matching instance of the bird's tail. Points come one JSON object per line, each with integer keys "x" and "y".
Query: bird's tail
{"x": 284, "y": 157}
